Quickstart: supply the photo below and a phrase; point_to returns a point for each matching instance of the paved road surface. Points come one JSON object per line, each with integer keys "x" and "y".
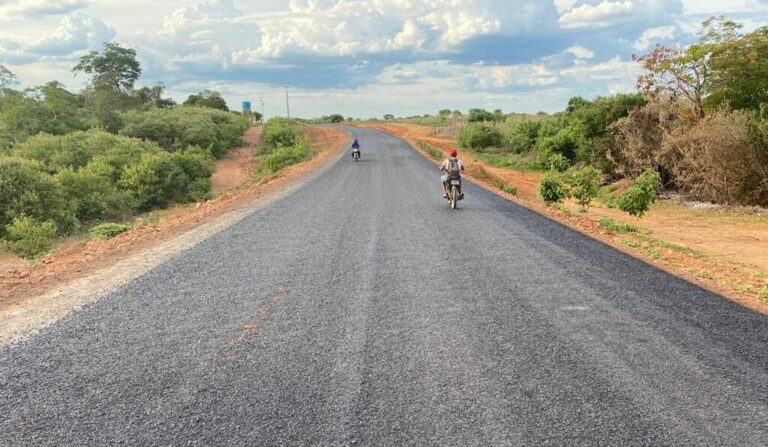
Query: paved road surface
{"x": 362, "y": 311}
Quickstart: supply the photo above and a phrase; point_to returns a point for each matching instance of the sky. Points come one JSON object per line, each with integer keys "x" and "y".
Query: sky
{"x": 363, "y": 58}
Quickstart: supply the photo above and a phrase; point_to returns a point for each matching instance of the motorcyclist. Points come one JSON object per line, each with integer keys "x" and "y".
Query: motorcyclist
{"x": 355, "y": 147}
{"x": 453, "y": 167}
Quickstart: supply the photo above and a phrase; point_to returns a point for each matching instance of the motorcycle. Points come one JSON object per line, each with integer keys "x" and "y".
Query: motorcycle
{"x": 356, "y": 154}
{"x": 454, "y": 189}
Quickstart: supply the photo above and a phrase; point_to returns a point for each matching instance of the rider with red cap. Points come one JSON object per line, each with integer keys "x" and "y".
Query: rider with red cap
{"x": 453, "y": 167}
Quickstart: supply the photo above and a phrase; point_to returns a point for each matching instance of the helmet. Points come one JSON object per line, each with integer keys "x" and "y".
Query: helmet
{"x": 454, "y": 153}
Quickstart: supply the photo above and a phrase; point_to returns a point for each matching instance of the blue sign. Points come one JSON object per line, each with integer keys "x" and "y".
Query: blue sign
{"x": 246, "y": 106}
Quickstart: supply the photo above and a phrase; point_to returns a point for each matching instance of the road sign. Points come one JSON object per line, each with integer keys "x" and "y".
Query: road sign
{"x": 246, "y": 106}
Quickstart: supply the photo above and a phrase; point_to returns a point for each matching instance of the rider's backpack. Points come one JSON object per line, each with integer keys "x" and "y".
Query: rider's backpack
{"x": 453, "y": 165}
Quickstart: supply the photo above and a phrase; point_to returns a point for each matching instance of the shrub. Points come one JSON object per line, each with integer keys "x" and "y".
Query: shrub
{"x": 549, "y": 161}
{"x": 479, "y": 136}
{"x": 283, "y": 157}
{"x": 92, "y": 193}
{"x": 722, "y": 159}
{"x": 565, "y": 142}
{"x": 108, "y": 231}
{"x": 25, "y": 189}
{"x": 584, "y": 186}
{"x": 509, "y": 189}
{"x": 638, "y": 199}
{"x": 77, "y": 149}
{"x": 280, "y": 132}
{"x": 155, "y": 181}
{"x": 552, "y": 189}
{"x": 520, "y": 135}
{"x": 180, "y": 127}
{"x": 29, "y": 238}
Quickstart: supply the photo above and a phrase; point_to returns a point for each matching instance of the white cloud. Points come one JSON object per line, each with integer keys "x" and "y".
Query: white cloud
{"x": 77, "y": 32}
{"x": 652, "y": 36}
{"x": 37, "y": 8}
{"x": 581, "y": 52}
{"x": 608, "y": 13}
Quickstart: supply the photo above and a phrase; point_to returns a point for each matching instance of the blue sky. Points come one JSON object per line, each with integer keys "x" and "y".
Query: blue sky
{"x": 364, "y": 58}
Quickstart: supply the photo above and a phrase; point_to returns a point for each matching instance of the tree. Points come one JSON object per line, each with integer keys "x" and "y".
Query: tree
{"x": 479, "y": 115}
{"x": 675, "y": 72}
{"x": 153, "y": 96}
{"x": 115, "y": 68}
{"x": 740, "y": 72}
{"x": 444, "y": 114}
{"x": 687, "y": 73}
{"x": 389, "y": 117}
{"x": 336, "y": 118}
{"x": 207, "y": 98}
{"x": 498, "y": 116}
{"x": 456, "y": 114}
{"x": 7, "y": 78}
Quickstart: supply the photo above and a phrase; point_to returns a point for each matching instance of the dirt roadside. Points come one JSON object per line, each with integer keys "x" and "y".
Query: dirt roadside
{"x": 33, "y": 296}
{"x": 722, "y": 251}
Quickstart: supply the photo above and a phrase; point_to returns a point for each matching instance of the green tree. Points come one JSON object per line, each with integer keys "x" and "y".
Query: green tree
{"x": 740, "y": 72}
{"x": 479, "y": 115}
{"x": 7, "y": 79}
{"x": 115, "y": 68}
{"x": 207, "y": 98}
{"x": 444, "y": 114}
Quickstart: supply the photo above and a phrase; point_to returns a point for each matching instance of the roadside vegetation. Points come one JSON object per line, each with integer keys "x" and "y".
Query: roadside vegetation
{"x": 698, "y": 125}
{"x": 74, "y": 163}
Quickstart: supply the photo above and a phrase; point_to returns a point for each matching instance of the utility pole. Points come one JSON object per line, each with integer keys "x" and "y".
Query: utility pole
{"x": 287, "y": 104}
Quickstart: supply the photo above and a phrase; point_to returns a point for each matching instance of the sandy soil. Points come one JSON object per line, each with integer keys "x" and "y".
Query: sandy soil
{"x": 238, "y": 167}
{"x": 729, "y": 249}
{"x": 33, "y": 295}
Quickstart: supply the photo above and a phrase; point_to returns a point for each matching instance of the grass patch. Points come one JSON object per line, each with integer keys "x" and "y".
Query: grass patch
{"x": 745, "y": 288}
{"x": 517, "y": 162}
{"x": 763, "y": 295}
{"x": 617, "y": 227}
{"x": 705, "y": 274}
{"x": 507, "y": 188}
{"x": 434, "y": 153}
{"x": 630, "y": 243}
{"x": 108, "y": 231}
{"x": 607, "y": 196}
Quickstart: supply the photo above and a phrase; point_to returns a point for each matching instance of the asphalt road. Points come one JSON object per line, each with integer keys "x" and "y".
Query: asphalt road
{"x": 363, "y": 311}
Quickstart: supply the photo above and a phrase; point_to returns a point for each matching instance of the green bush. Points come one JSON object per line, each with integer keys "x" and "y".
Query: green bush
{"x": 280, "y": 132}
{"x": 25, "y": 189}
{"x": 552, "y": 189}
{"x": 638, "y": 199}
{"x": 584, "y": 186}
{"x": 178, "y": 128}
{"x": 520, "y": 135}
{"x": 283, "y": 157}
{"x": 29, "y": 238}
{"x": 108, "y": 231}
{"x": 92, "y": 192}
{"x": 77, "y": 149}
{"x": 156, "y": 181}
{"x": 479, "y": 136}
{"x": 549, "y": 161}
{"x": 565, "y": 142}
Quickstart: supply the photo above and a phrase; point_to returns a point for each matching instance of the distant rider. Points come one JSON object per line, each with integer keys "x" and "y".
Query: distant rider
{"x": 453, "y": 167}
{"x": 355, "y": 147}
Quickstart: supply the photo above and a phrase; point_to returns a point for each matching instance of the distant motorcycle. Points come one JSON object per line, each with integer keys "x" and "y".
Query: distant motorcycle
{"x": 356, "y": 154}
{"x": 454, "y": 189}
